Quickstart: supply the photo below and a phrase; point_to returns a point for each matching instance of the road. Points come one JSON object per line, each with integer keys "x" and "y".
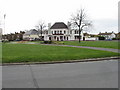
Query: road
{"x": 97, "y": 74}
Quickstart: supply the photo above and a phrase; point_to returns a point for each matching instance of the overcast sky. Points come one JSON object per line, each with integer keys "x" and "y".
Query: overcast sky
{"x": 25, "y": 14}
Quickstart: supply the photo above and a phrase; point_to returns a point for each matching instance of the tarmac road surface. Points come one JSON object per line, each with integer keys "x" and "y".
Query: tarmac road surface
{"x": 97, "y": 74}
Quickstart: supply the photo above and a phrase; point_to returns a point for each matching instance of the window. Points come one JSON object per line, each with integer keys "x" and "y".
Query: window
{"x": 60, "y": 32}
{"x": 70, "y": 32}
{"x": 61, "y": 38}
{"x": 46, "y": 32}
{"x": 64, "y": 37}
{"x": 75, "y": 31}
{"x": 54, "y": 37}
{"x": 55, "y": 32}
{"x": 67, "y": 38}
{"x": 64, "y": 32}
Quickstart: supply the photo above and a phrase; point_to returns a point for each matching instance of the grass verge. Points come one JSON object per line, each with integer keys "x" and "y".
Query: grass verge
{"x": 13, "y": 53}
{"x": 102, "y": 44}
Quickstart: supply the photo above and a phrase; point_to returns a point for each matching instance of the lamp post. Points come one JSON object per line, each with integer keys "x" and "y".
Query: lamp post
{"x": 4, "y": 22}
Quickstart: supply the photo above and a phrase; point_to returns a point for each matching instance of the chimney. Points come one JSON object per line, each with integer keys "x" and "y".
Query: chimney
{"x": 69, "y": 24}
{"x": 49, "y": 26}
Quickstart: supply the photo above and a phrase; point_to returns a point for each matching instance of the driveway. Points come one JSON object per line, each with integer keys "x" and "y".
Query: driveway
{"x": 97, "y": 74}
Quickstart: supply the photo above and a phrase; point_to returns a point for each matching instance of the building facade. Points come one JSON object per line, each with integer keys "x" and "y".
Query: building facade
{"x": 108, "y": 36}
{"x": 59, "y": 31}
{"x": 90, "y": 37}
{"x": 0, "y": 34}
{"x": 13, "y": 36}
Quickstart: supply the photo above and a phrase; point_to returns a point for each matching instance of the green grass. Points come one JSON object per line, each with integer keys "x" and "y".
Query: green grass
{"x": 103, "y": 44}
{"x": 41, "y": 53}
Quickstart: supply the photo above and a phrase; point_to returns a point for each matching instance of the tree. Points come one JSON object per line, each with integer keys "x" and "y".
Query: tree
{"x": 80, "y": 21}
{"x": 41, "y": 25}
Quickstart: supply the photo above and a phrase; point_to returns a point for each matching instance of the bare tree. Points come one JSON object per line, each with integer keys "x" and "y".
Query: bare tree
{"x": 80, "y": 21}
{"x": 41, "y": 25}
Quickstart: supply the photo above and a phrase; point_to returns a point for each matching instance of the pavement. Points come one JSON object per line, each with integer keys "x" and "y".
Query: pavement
{"x": 97, "y": 74}
{"x": 95, "y": 48}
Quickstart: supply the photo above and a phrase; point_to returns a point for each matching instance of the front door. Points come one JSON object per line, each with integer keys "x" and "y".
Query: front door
{"x": 57, "y": 38}
{"x": 67, "y": 38}
{"x": 49, "y": 38}
{"x": 61, "y": 38}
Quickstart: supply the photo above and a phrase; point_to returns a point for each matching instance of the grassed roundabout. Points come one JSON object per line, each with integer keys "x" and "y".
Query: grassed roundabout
{"x": 15, "y": 53}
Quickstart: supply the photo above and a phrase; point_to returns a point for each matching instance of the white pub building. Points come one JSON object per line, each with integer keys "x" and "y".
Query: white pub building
{"x": 59, "y": 31}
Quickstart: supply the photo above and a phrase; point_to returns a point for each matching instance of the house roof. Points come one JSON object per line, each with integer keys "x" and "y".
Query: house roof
{"x": 33, "y": 32}
{"x": 86, "y": 34}
{"x": 59, "y": 25}
{"x": 104, "y": 33}
{"x": 118, "y": 33}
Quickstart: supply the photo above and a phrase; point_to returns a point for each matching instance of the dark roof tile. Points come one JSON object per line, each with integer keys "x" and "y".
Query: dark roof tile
{"x": 59, "y": 25}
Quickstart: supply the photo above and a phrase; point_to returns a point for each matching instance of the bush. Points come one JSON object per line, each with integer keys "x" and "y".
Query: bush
{"x": 47, "y": 42}
{"x": 52, "y": 42}
{"x": 115, "y": 38}
{"x": 101, "y": 38}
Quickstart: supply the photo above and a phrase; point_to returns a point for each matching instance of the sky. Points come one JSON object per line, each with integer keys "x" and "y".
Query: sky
{"x": 24, "y": 15}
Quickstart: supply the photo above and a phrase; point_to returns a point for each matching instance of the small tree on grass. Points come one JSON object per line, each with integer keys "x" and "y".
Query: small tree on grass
{"x": 79, "y": 20}
{"x": 40, "y": 27}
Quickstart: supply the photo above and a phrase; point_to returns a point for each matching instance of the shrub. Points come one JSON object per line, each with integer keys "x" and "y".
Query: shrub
{"x": 101, "y": 38}
{"x": 52, "y": 42}
{"x": 115, "y": 38}
{"x": 47, "y": 42}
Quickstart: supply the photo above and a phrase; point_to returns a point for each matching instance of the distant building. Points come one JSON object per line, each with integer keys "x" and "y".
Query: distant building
{"x": 118, "y": 35}
{"x": 32, "y": 34}
{"x": 59, "y": 31}
{"x": 13, "y": 36}
{"x": 90, "y": 37}
{"x": 0, "y": 34}
{"x": 108, "y": 36}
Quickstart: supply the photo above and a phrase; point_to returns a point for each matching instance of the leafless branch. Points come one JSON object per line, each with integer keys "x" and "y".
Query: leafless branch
{"x": 79, "y": 19}
{"x": 40, "y": 27}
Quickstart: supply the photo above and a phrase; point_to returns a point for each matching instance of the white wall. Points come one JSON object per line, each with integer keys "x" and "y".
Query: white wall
{"x": 30, "y": 36}
{"x": 91, "y": 38}
{"x": 46, "y": 36}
